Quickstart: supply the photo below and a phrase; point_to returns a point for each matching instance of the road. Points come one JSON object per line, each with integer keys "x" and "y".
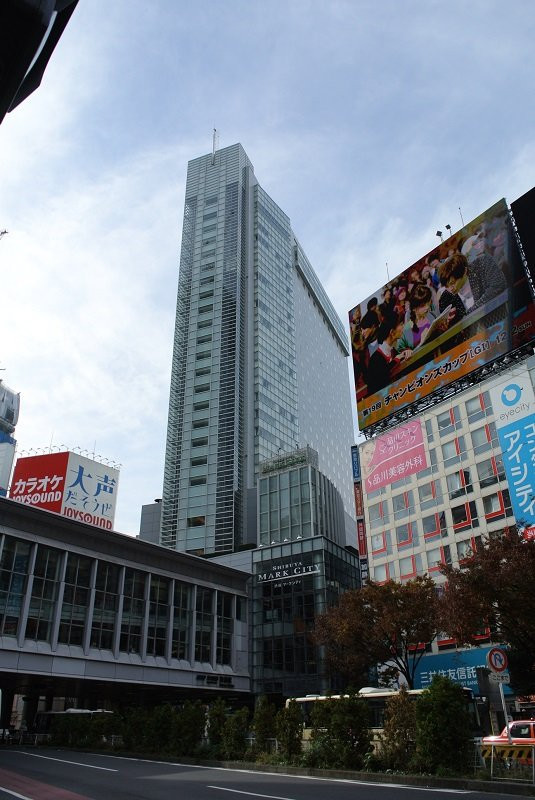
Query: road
{"x": 29, "y": 774}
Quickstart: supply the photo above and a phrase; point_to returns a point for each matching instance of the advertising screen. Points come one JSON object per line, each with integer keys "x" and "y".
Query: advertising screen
{"x": 68, "y": 484}
{"x": 393, "y": 455}
{"x": 458, "y": 308}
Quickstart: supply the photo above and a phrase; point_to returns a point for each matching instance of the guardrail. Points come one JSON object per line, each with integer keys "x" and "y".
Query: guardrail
{"x": 512, "y": 762}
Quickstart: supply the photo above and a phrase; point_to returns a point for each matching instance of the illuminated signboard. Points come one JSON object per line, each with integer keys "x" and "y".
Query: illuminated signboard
{"x": 458, "y": 308}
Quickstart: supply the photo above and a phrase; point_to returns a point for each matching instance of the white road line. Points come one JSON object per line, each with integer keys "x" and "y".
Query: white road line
{"x": 384, "y": 785}
{"x": 251, "y": 794}
{"x": 64, "y": 761}
{"x": 14, "y": 794}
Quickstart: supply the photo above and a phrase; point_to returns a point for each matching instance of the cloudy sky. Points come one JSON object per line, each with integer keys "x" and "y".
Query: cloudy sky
{"x": 369, "y": 122}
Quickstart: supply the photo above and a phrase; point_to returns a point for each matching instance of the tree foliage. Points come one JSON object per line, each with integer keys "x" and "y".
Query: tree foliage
{"x": 398, "y": 739}
{"x": 264, "y": 724}
{"x": 289, "y": 728}
{"x": 495, "y": 586}
{"x": 443, "y": 734}
{"x": 380, "y": 624}
{"x": 341, "y": 737}
{"x": 233, "y": 739}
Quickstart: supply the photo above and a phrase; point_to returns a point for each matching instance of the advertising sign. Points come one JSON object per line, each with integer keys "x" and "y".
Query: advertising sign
{"x": 460, "y": 666}
{"x": 393, "y": 455}
{"x": 361, "y": 536}
{"x": 456, "y": 309}
{"x": 355, "y": 462}
{"x": 359, "y": 505}
{"x": 67, "y": 484}
{"x": 513, "y": 402}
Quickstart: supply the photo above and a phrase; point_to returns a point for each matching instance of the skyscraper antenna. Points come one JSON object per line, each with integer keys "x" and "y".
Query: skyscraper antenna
{"x": 214, "y": 145}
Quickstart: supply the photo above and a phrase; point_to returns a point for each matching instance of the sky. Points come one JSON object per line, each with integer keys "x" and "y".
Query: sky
{"x": 371, "y": 123}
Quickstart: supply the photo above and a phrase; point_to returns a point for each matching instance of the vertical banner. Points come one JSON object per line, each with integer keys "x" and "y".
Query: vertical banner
{"x": 513, "y": 402}
{"x": 355, "y": 462}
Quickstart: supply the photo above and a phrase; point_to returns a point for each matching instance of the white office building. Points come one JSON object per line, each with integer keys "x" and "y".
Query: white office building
{"x": 259, "y": 363}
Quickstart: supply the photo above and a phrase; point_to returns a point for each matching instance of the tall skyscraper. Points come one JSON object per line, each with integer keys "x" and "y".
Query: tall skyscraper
{"x": 259, "y": 362}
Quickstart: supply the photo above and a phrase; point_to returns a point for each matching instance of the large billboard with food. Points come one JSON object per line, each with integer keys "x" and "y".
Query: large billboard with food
{"x": 460, "y": 307}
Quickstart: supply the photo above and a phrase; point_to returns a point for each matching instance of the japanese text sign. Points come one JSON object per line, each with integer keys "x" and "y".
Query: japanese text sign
{"x": 68, "y": 484}
{"x": 513, "y": 402}
{"x": 393, "y": 455}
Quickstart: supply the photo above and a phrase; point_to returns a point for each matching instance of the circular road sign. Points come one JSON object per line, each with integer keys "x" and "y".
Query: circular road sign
{"x": 497, "y": 659}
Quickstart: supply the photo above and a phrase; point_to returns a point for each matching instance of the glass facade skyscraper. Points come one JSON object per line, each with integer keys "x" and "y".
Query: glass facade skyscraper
{"x": 259, "y": 362}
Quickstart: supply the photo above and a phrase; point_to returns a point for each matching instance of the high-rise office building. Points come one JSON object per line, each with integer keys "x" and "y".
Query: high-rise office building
{"x": 259, "y": 362}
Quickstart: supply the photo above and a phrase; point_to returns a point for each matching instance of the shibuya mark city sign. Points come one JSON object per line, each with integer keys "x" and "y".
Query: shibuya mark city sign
{"x": 285, "y": 570}
{"x": 67, "y": 484}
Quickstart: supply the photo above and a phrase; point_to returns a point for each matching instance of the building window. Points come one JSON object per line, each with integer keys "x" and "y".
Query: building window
{"x": 459, "y": 483}
{"x": 196, "y": 522}
{"x": 224, "y": 628}
{"x": 13, "y": 580}
{"x": 438, "y": 556}
{"x": 133, "y": 611}
{"x": 429, "y": 430}
{"x": 429, "y": 495}
{"x": 403, "y": 504}
{"x": 204, "y": 625}
{"x": 105, "y": 609}
{"x": 497, "y": 506}
{"x": 407, "y": 567}
{"x": 378, "y": 541}
{"x": 75, "y": 599}
{"x": 448, "y": 421}
{"x": 378, "y": 515}
{"x": 490, "y": 471}
{"x": 453, "y": 452}
{"x": 44, "y": 595}
{"x": 434, "y": 525}
{"x": 181, "y": 621}
{"x": 478, "y": 407}
{"x": 404, "y": 534}
{"x": 381, "y": 573}
{"x": 464, "y": 516}
{"x": 158, "y": 616}
{"x": 202, "y": 442}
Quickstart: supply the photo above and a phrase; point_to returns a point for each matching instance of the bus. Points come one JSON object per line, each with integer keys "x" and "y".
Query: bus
{"x": 376, "y": 700}
{"x": 43, "y": 719}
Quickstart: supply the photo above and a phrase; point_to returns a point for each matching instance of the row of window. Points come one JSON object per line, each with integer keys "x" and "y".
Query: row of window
{"x": 77, "y": 600}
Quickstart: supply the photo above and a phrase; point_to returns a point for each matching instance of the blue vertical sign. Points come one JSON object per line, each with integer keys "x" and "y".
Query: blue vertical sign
{"x": 513, "y": 403}
{"x": 355, "y": 460}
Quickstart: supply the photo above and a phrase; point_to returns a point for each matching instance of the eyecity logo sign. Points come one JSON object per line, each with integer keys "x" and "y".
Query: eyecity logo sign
{"x": 511, "y": 394}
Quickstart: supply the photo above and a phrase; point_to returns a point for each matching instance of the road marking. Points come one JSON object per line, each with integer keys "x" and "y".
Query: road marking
{"x": 15, "y": 794}
{"x": 385, "y": 785}
{"x": 64, "y": 761}
{"x": 251, "y": 794}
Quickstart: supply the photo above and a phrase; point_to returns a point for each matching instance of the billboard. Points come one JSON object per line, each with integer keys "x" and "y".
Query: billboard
{"x": 513, "y": 402}
{"x": 393, "y": 455}
{"x": 461, "y": 306}
{"x": 68, "y": 484}
{"x": 460, "y": 666}
{"x": 523, "y": 209}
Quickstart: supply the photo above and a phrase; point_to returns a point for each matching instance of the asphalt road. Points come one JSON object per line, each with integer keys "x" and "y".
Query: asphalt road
{"x": 28, "y": 774}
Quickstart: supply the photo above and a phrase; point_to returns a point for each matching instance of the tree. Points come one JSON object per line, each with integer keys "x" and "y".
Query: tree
{"x": 399, "y": 733}
{"x": 217, "y": 715}
{"x": 289, "y": 727}
{"x": 234, "y": 734}
{"x": 382, "y": 624}
{"x": 264, "y": 724}
{"x": 341, "y": 736}
{"x": 443, "y": 735}
{"x": 495, "y": 587}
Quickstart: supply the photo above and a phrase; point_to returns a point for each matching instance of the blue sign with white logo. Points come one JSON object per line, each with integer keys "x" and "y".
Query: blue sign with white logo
{"x": 511, "y": 394}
